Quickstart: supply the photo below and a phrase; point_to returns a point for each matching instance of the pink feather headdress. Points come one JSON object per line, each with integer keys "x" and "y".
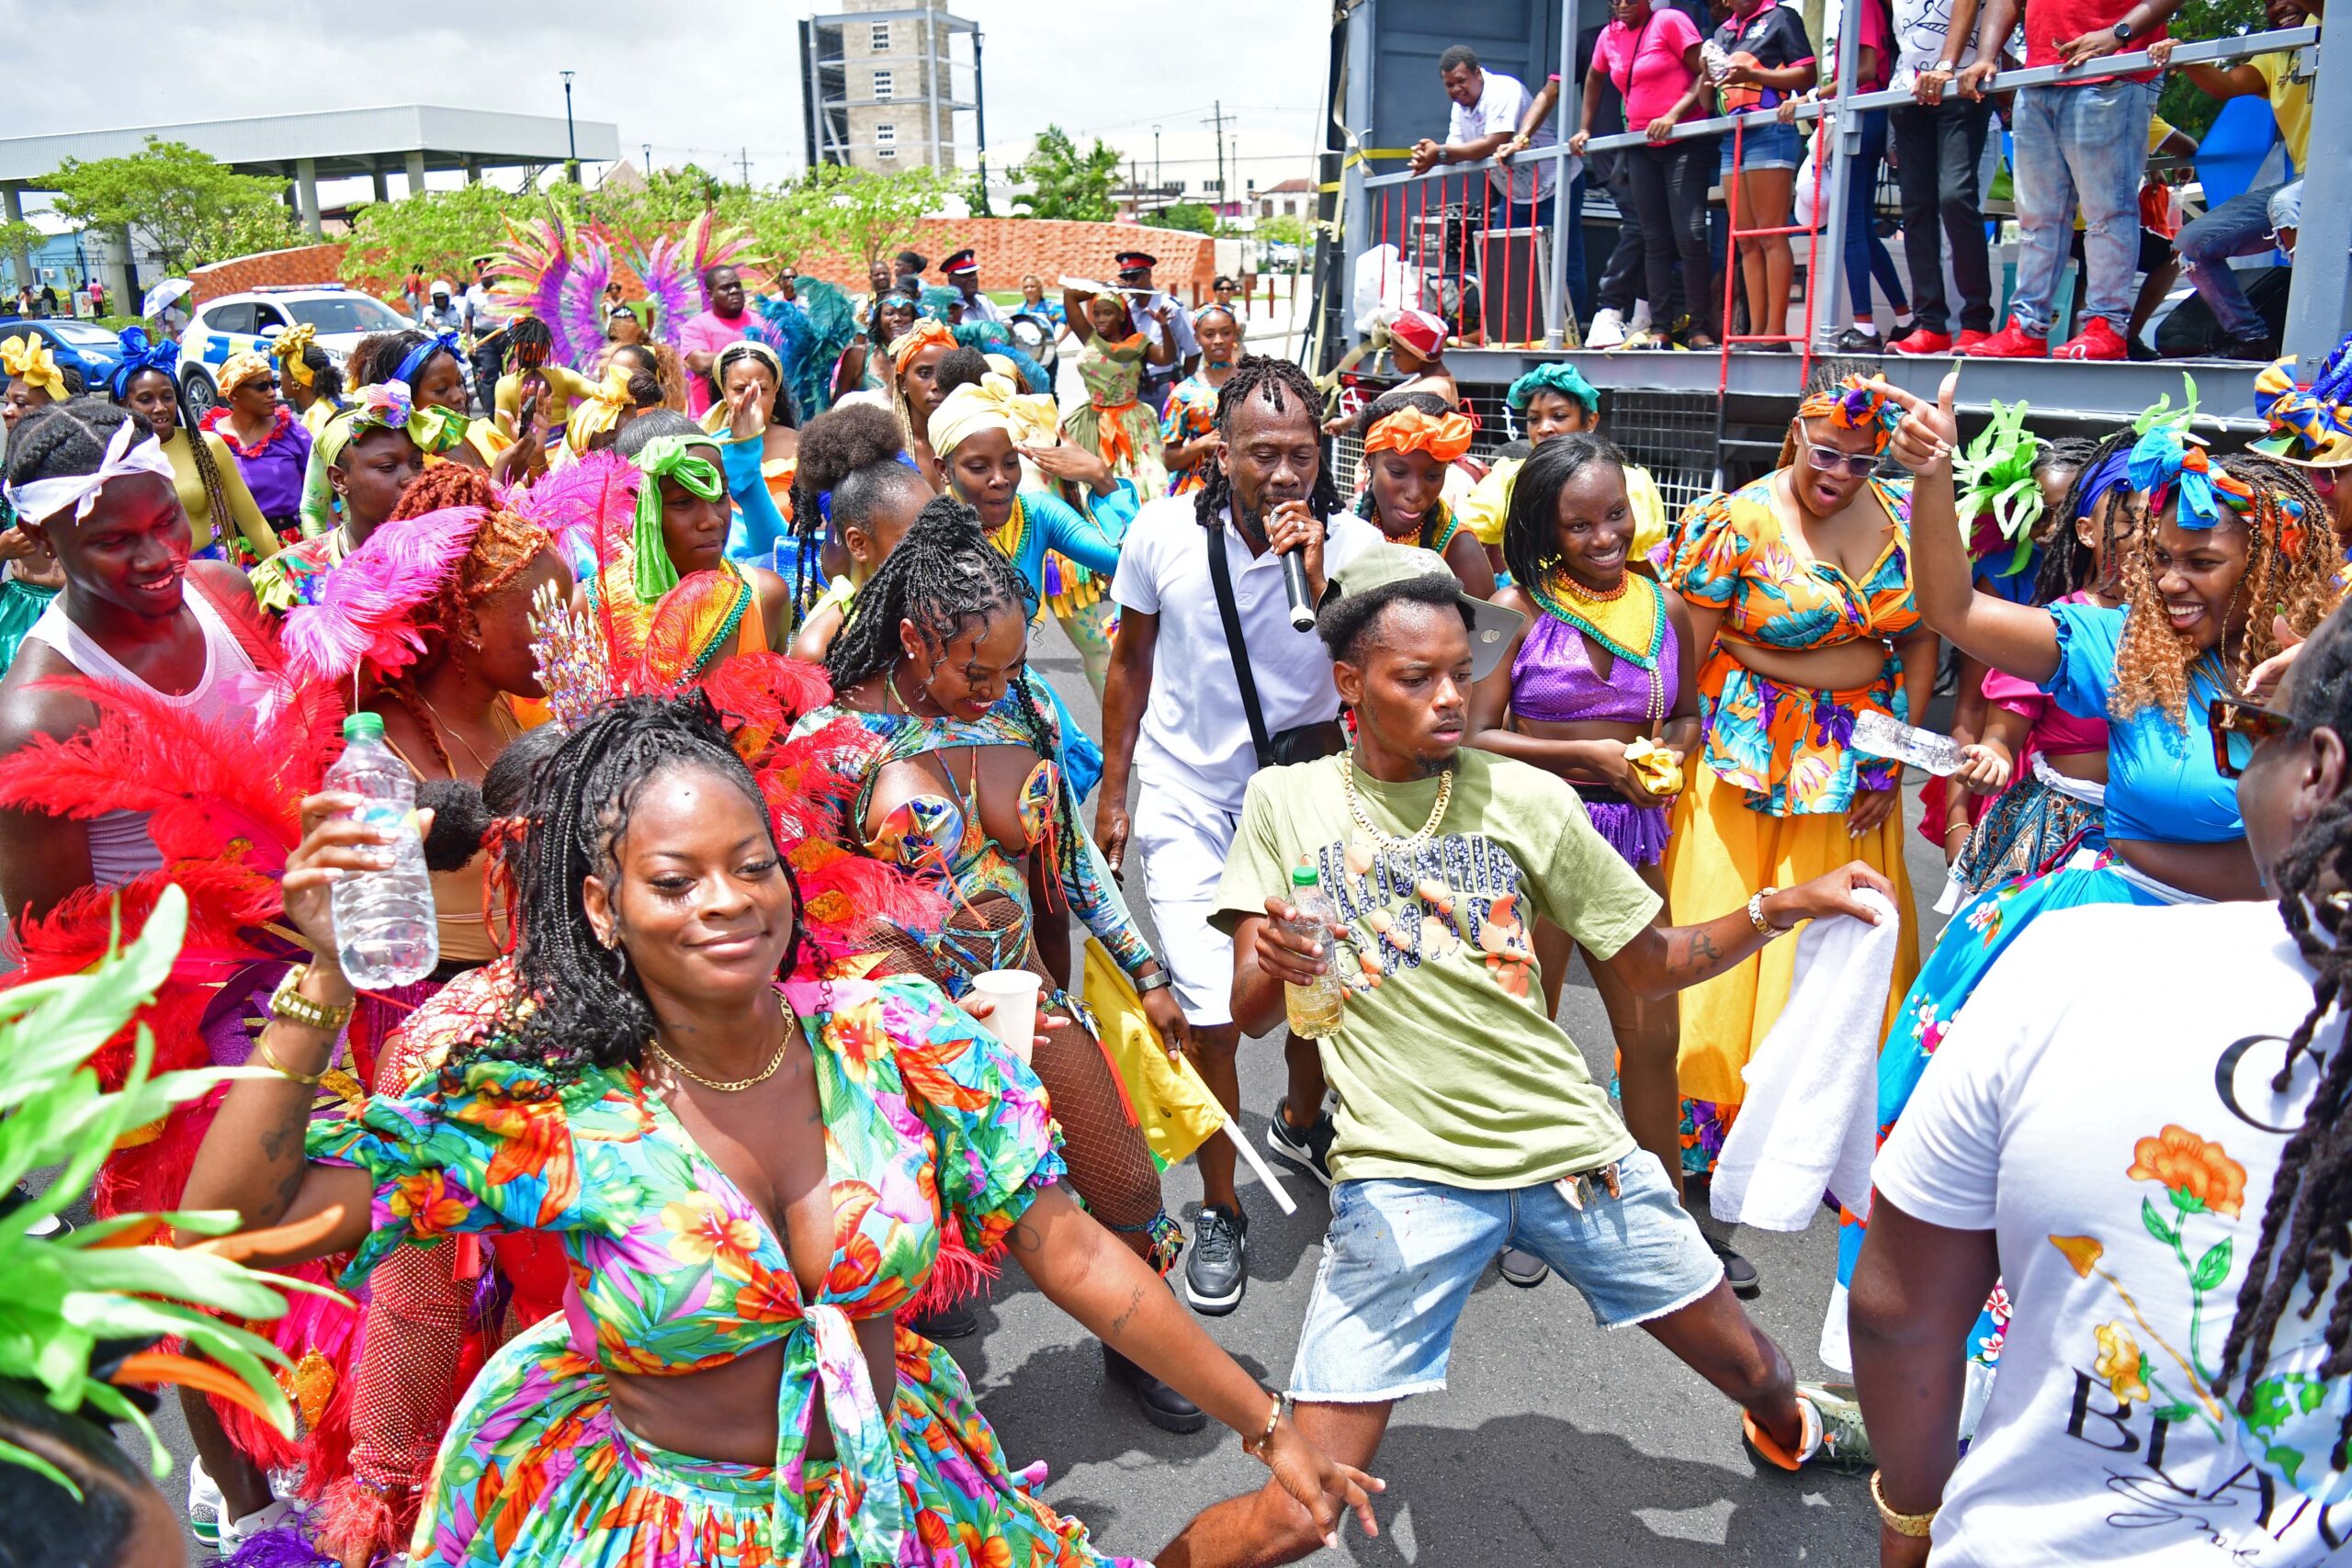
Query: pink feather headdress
{"x": 366, "y": 609}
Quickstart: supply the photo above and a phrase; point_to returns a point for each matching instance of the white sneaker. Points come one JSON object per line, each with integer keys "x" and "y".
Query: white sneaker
{"x": 234, "y": 1533}
{"x": 1642, "y": 320}
{"x": 204, "y": 1507}
{"x": 1608, "y": 330}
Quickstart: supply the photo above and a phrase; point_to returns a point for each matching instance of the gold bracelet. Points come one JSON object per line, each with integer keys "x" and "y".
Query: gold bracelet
{"x": 269, "y": 1057}
{"x": 1756, "y": 911}
{"x": 1916, "y": 1525}
{"x": 288, "y": 1002}
{"x": 1256, "y": 1447}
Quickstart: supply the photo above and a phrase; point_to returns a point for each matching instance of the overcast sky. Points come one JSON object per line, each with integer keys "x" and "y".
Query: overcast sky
{"x": 702, "y": 89}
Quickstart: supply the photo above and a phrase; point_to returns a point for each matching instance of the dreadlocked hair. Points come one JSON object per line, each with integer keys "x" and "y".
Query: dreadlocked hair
{"x": 529, "y": 344}
{"x": 1531, "y": 535}
{"x": 2069, "y": 565}
{"x": 2307, "y": 1221}
{"x": 2153, "y": 661}
{"x": 579, "y": 1007}
{"x": 833, "y": 445}
{"x": 503, "y": 549}
{"x": 1259, "y": 377}
{"x": 945, "y": 575}
{"x": 1382, "y": 407}
{"x": 60, "y": 440}
{"x": 208, "y": 468}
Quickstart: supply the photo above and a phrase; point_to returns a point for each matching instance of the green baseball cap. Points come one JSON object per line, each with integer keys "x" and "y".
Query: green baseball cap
{"x": 1492, "y": 626}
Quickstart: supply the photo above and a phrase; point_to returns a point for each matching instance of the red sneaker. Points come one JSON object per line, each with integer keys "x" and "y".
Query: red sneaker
{"x": 2012, "y": 342}
{"x": 1968, "y": 338}
{"x": 2096, "y": 341}
{"x": 1922, "y": 341}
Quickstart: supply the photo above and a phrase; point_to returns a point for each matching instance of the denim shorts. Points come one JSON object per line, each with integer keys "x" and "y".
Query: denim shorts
{"x": 1401, "y": 1257}
{"x": 1768, "y": 146}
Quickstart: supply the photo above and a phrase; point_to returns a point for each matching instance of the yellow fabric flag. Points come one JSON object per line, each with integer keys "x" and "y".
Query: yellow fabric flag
{"x": 1175, "y": 1108}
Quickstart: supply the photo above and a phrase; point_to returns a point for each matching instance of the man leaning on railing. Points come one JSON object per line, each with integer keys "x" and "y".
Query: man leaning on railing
{"x": 1487, "y": 109}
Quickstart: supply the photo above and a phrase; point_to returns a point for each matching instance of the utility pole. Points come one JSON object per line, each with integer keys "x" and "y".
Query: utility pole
{"x": 1158, "y": 183}
{"x": 1135, "y": 197}
{"x": 746, "y": 163}
{"x": 647, "y": 148}
{"x": 980, "y": 121}
{"x": 570, "y": 137}
{"x": 1218, "y": 119}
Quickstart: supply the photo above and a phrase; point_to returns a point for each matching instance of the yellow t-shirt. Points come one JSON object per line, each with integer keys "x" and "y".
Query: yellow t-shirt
{"x": 1483, "y": 510}
{"x": 2291, "y": 101}
{"x": 569, "y": 385}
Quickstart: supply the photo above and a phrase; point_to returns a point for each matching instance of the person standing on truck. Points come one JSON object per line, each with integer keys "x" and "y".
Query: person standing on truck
{"x": 1488, "y": 109}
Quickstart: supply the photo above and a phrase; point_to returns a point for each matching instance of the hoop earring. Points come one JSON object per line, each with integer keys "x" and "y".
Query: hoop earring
{"x": 620, "y": 962}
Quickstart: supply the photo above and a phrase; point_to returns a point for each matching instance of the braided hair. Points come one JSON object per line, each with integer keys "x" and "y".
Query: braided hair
{"x": 1259, "y": 377}
{"x": 1397, "y": 402}
{"x": 529, "y": 344}
{"x": 1531, "y": 537}
{"x": 208, "y": 471}
{"x": 780, "y": 408}
{"x": 2069, "y": 565}
{"x": 2305, "y": 1221}
{"x": 945, "y": 575}
{"x": 579, "y": 1006}
{"x": 58, "y": 440}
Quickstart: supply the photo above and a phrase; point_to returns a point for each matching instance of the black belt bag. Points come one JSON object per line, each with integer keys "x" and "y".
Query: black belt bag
{"x": 1301, "y": 743}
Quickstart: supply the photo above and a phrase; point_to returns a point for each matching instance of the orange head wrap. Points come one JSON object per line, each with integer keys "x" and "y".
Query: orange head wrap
{"x": 917, "y": 338}
{"x": 1856, "y": 403}
{"x": 1443, "y": 436}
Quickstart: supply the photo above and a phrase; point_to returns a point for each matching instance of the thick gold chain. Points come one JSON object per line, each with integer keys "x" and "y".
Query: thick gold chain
{"x": 733, "y": 1086}
{"x": 1386, "y": 839}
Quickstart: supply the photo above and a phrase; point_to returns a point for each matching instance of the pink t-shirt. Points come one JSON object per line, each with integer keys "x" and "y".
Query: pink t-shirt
{"x": 1875, "y": 35}
{"x": 1645, "y": 65}
{"x": 708, "y": 333}
{"x": 2054, "y": 729}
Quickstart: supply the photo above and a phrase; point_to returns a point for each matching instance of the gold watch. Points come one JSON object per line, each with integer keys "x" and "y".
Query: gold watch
{"x": 288, "y": 1002}
{"x": 1918, "y": 1526}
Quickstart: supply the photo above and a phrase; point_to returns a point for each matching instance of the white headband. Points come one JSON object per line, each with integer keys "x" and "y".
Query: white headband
{"x": 129, "y": 453}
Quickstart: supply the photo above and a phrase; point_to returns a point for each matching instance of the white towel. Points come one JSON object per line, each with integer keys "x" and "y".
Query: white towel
{"x": 1809, "y": 1125}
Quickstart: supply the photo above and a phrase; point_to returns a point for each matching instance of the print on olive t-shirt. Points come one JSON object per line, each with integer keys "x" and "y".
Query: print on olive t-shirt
{"x": 1447, "y": 1067}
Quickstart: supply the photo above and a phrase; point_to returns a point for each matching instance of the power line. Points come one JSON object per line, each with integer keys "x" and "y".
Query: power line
{"x": 1218, "y": 119}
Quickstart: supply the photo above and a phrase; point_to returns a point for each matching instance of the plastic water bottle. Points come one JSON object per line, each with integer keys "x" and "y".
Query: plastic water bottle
{"x": 1313, "y": 1010}
{"x": 384, "y": 929}
{"x": 1880, "y": 735}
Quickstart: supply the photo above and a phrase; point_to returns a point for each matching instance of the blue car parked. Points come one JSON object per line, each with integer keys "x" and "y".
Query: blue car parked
{"x": 84, "y": 346}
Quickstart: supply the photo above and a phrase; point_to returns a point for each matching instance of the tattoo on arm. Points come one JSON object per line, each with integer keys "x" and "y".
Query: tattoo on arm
{"x": 1023, "y": 1238}
{"x": 1119, "y": 1324}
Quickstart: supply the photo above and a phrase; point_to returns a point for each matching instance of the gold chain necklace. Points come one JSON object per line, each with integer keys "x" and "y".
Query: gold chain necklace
{"x": 1386, "y": 840}
{"x": 730, "y": 1086}
{"x": 497, "y": 710}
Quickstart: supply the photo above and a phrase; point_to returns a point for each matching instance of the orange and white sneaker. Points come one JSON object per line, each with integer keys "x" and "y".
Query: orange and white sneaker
{"x": 1831, "y": 1433}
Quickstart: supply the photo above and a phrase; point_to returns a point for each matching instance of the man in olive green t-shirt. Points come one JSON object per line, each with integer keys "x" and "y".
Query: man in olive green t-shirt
{"x": 1467, "y": 1117}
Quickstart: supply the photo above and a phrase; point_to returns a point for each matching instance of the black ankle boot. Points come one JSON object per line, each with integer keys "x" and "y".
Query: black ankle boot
{"x": 1162, "y": 1405}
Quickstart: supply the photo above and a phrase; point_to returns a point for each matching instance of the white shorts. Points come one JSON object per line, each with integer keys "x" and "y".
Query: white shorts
{"x": 1183, "y": 841}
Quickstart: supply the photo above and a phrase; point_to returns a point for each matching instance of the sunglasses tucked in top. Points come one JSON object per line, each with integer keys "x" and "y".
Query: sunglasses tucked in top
{"x": 2245, "y": 719}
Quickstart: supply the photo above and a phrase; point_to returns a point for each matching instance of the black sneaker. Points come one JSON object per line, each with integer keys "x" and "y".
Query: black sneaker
{"x": 1308, "y": 1147}
{"x": 1853, "y": 340}
{"x": 1738, "y": 1272}
{"x": 956, "y": 1321}
{"x": 1218, "y": 1271}
{"x": 1162, "y": 1405}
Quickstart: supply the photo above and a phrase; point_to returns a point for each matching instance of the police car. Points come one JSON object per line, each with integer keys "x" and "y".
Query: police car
{"x": 234, "y": 324}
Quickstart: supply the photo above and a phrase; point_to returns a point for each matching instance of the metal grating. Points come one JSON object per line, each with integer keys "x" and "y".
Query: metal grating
{"x": 1670, "y": 433}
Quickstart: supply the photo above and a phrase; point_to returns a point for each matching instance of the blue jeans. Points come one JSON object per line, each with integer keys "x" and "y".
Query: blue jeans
{"x": 1866, "y": 254}
{"x": 2239, "y": 227}
{"x": 2088, "y": 144}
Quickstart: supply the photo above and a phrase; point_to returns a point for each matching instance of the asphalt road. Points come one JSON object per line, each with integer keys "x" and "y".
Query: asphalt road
{"x": 1554, "y": 1443}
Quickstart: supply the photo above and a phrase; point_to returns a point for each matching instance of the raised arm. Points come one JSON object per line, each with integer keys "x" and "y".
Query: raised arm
{"x": 2018, "y": 638}
{"x": 1074, "y": 313}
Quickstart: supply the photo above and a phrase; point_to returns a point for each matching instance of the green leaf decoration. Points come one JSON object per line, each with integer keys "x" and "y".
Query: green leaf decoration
{"x": 2213, "y": 1267}
{"x": 2176, "y": 1413}
{"x": 1994, "y": 477}
{"x": 2161, "y": 412}
{"x": 2155, "y": 1222}
{"x": 58, "y": 1298}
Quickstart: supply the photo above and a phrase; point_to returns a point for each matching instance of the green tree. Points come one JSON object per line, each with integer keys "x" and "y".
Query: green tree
{"x": 190, "y": 207}
{"x": 1195, "y": 216}
{"x": 1282, "y": 229}
{"x": 2182, "y": 104}
{"x": 1064, "y": 183}
{"x": 440, "y": 230}
{"x": 859, "y": 214}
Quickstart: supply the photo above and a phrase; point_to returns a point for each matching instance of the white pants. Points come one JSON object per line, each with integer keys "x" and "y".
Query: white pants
{"x": 1183, "y": 841}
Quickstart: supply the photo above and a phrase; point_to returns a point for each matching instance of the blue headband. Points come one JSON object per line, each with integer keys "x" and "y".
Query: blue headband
{"x": 138, "y": 355}
{"x": 414, "y": 360}
{"x": 2113, "y": 474}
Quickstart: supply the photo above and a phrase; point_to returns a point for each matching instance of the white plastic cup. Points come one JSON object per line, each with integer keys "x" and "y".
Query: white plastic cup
{"x": 1012, "y": 995}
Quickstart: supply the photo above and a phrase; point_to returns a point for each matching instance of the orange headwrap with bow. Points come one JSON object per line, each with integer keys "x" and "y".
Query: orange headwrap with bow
{"x": 1443, "y": 436}
{"x": 917, "y": 338}
{"x": 1857, "y": 403}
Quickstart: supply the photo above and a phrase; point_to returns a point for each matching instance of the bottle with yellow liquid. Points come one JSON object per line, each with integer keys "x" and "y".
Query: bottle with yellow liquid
{"x": 1313, "y": 1010}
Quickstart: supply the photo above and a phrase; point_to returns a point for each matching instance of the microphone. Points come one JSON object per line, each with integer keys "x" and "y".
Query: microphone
{"x": 1302, "y": 606}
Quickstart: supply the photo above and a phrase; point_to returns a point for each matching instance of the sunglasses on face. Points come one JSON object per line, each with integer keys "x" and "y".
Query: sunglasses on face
{"x": 2245, "y": 719}
{"x": 1858, "y": 465}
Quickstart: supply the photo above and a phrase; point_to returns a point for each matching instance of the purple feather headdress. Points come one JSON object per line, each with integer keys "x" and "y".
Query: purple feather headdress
{"x": 365, "y": 607}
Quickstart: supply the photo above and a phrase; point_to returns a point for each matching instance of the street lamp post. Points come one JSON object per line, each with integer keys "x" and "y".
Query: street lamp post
{"x": 570, "y": 137}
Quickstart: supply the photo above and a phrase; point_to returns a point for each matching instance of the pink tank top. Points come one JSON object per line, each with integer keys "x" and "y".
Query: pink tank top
{"x": 2054, "y": 729}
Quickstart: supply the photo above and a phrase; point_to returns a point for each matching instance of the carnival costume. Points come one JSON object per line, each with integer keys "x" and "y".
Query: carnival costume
{"x": 2311, "y": 427}
{"x": 289, "y": 348}
{"x": 1775, "y": 776}
{"x": 290, "y": 577}
{"x": 1191, "y": 415}
{"x": 1112, "y": 424}
{"x": 1445, "y": 437}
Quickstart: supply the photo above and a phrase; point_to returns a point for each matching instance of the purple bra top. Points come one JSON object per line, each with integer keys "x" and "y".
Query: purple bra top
{"x": 1553, "y": 681}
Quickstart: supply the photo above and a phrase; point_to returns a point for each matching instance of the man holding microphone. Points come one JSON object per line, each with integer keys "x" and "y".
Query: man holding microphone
{"x": 1262, "y": 532}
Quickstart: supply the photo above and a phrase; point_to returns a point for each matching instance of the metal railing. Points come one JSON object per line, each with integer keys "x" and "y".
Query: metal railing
{"x": 1399, "y": 205}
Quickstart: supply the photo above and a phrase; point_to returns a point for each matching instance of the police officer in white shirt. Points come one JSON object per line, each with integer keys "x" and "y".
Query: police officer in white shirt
{"x": 1135, "y": 273}
{"x": 1172, "y": 709}
{"x": 963, "y": 273}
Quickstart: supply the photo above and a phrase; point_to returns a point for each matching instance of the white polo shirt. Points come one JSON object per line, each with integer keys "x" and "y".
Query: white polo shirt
{"x": 1195, "y": 737}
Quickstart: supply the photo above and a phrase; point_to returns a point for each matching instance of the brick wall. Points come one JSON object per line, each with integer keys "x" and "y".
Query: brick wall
{"x": 1007, "y": 248}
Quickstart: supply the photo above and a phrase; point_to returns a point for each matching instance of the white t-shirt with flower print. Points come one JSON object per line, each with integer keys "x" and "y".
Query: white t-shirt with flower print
{"x": 2075, "y": 1110}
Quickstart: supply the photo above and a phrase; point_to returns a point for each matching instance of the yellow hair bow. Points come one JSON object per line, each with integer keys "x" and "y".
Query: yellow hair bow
{"x": 601, "y": 409}
{"x": 993, "y": 402}
{"x": 28, "y": 359}
{"x": 287, "y": 347}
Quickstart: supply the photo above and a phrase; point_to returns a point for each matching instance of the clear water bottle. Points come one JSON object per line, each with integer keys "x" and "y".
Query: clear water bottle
{"x": 384, "y": 929}
{"x": 1313, "y": 1010}
{"x": 1881, "y": 735}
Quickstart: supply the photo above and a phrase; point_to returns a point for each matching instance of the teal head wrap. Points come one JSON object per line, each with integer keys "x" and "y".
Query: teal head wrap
{"x": 1555, "y": 376}
{"x": 666, "y": 458}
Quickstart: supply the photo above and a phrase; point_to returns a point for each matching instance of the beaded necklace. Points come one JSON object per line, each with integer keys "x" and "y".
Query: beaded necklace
{"x": 1630, "y": 625}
